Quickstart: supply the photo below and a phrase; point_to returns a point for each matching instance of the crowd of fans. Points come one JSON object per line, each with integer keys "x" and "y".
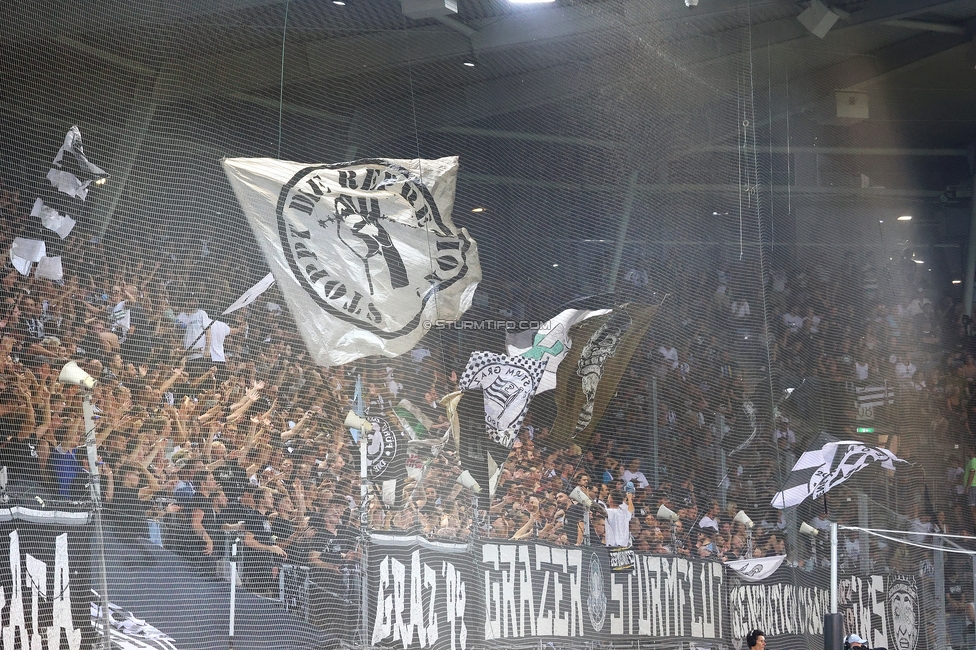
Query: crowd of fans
{"x": 210, "y": 430}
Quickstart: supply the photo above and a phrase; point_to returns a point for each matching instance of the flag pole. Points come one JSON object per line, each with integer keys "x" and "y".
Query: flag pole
{"x": 363, "y": 514}
{"x": 833, "y": 567}
{"x": 833, "y": 623}
{"x": 233, "y": 595}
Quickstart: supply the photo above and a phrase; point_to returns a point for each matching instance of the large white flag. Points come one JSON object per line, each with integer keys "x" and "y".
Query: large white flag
{"x": 549, "y": 343}
{"x": 365, "y": 253}
{"x": 826, "y": 464}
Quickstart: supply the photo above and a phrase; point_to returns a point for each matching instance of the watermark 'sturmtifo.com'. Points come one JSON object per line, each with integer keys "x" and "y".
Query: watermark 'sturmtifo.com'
{"x": 486, "y": 325}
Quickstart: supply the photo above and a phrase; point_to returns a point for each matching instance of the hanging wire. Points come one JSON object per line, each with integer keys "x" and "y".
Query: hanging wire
{"x": 930, "y": 547}
{"x": 281, "y": 82}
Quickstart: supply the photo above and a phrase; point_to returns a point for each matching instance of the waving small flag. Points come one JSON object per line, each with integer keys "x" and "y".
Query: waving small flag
{"x": 756, "y": 569}
{"x": 828, "y": 463}
{"x": 62, "y": 173}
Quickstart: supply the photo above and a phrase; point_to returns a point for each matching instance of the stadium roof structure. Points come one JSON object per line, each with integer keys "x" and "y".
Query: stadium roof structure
{"x": 547, "y": 87}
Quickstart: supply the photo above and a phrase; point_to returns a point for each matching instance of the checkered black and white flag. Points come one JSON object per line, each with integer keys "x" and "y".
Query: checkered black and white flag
{"x": 508, "y": 384}
{"x": 826, "y": 464}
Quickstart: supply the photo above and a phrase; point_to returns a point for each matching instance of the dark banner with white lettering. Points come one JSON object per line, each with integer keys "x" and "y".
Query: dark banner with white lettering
{"x": 429, "y": 595}
{"x": 789, "y": 606}
{"x": 46, "y": 590}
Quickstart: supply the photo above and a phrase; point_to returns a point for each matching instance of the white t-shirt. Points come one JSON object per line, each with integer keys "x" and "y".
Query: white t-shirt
{"x": 219, "y": 332}
{"x": 671, "y": 354}
{"x": 740, "y": 309}
{"x": 121, "y": 318}
{"x": 820, "y": 523}
{"x": 904, "y": 371}
{"x": 918, "y": 526}
{"x": 419, "y": 354}
{"x": 618, "y": 525}
{"x": 708, "y": 522}
{"x": 195, "y": 324}
{"x": 861, "y": 369}
{"x": 779, "y": 281}
{"x": 637, "y": 477}
{"x": 785, "y": 432}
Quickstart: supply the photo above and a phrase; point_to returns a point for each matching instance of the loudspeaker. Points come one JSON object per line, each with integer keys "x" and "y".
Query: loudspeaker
{"x": 666, "y": 514}
{"x": 807, "y": 529}
{"x": 742, "y": 518}
{"x": 354, "y": 421}
{"x": 465, "y": 479}
{"x": 580, "y": 497}
{"x": 73, "y": 375}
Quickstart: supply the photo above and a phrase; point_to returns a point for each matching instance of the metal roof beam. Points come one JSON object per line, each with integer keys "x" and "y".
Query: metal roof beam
{"x": 927, "y": 26}
{"x": 23, "y": 21}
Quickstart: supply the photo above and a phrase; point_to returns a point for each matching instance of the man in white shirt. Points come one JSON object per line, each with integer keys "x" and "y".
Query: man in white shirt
{"x": 821, "y": 522}
{"x": 905, "y": 370}
{"x": 710, "y": 520}
{"x": 620, "y": 510}
{"x": 740, "y": 308}
{"x": 633, "y": 473}
{"x": 194, "y": 320}
{"x": 217, "y": 333}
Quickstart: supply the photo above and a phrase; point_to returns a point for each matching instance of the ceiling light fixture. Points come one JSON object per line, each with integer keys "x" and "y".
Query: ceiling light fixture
{"x": 339, "y": 3}
{"x": 919, "y": 261}
{"x": 477, "y": 209}
{"x": 818, "y": 18}
{"x": 957, "y": 282}
{"x": 530, "y": 2}
{"x": 470, "y": 64}
{"x": 905, "y": 217}
{"x": 555, "y": 266}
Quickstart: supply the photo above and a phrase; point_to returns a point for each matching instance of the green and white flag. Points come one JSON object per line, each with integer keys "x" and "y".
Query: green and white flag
{"x": 550, "y": 342}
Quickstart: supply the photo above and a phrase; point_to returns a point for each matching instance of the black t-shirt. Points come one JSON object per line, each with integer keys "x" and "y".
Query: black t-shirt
{"x": 211, "y": 520}
{"x": 259, "y": 526}
{"x": 20, "y": 457}
{"x": 127, "y": 511}
{"x": 232, "y": 479}
{"x": 574, "y": 516}
{"x": 332, "y": 546}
